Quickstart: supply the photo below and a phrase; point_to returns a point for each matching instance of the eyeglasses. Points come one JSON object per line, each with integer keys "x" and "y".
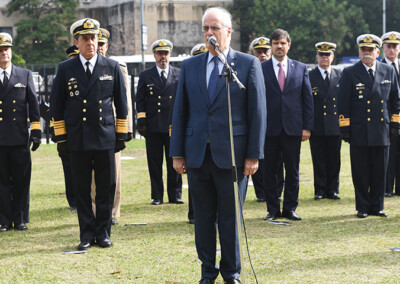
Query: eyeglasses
{"x": 207, "y": 28}
{"x": 324, "y": 54}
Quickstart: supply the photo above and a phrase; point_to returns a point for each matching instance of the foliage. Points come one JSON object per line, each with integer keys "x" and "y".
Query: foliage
{"x": 18, "y": 60}
{"x": 307, "y": 22}
{"x": 42, "y": 36}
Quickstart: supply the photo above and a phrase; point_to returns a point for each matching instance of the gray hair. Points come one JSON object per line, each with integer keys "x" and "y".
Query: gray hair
{"x": 226, "y": 17}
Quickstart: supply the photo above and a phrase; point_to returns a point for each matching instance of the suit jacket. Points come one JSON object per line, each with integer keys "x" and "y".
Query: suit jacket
{"x": 18, "y": 106}
{"x": 154, "y": 101}
{"x": 82, "y": 109}
{"x": 291, "y": 110}
{"x": 326, "y": 118}
{"x": 196, "y": 121}
{"x": 364, "y": 105}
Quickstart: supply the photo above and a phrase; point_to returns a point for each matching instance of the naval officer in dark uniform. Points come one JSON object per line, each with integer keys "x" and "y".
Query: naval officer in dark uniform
{"x": 155, "y": 94}
{"x": 391, "y": 49}
{"x": 325, "y": 140}
{"x": 18, "y": 106}
{"x": 368, "y": 107}
{"x": 84, "y": 126}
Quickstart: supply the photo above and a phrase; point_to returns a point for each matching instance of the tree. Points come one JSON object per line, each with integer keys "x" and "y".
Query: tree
{"x": 42, "y": 37}
{"x": 307, "y": 22}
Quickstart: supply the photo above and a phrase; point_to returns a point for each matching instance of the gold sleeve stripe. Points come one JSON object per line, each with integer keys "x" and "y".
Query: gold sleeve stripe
{"x": 121, "y": 126}
{"x": 35, "y": 125}
{"x": 59, "y": 127}
{"x": 395, "y": 118}
{"x": 343, "y": 121}
{"x": 170, "y": 130}
{"x": 141, "y": 115}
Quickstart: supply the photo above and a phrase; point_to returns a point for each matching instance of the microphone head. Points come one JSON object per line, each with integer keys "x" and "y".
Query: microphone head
{"x": 213, "y": 41}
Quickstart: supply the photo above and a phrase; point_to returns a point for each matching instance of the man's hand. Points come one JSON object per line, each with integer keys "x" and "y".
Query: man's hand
{"x": 179, "y": 165}
{"x": 62, "y": 148}
{"x": 119, "y": 146}
{"x": 36, "y": 143}
{"x": 250, "y": 166}
{"x": 143, "y": 130}
{"x": 305, "y": 135}
{"x": 130, "y": 136}
{"x": 394, "y": 131}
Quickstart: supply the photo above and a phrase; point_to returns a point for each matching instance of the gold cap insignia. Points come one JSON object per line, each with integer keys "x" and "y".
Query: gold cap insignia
{"x": 203, "y": 49}
{"x": 392, "y": 37}
{"x": 162, "y": 43}
{"x": 367, "y": 39}
{"x": 88, "y": 24}
{"x": 262, "y": 41}
{"x": 325, "y": 47}
{"x": 2, "y": 40}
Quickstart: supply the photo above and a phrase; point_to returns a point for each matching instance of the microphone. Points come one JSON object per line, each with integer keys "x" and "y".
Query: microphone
{"x": 213, "y": 41}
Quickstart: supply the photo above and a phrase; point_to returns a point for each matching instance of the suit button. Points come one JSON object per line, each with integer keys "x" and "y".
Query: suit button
{"x": 151, "y": 93}
{"x": 100, "y": 110}
{"x": 368, "y": 110}
{"x": 334, "y": 99}
{"x": 159, "y": 110}
{"x": 14, "y": 119}
{"x": 1, "y": 110}
{"x": 334, "y": 113}
{"x": 159, "y": 97}
{"x": 84, "y": 119}
{"x": 368, "y": 102}
{"x": 13, "y": 101}
{"x": 84, "y": 101}
{"x": 84, "y": 110}
{"x": 334, "y": 105}
{"x": 14, "y": 110}
{"x": 100, "y": 118}
{"x": 381, "y": 110}
{"x": 1, "y": 102}
{"x": 1, "y": 119}
{"x": 369, "y": 119}
{"x": 324, "y": 113}
{"x": 382, "y": 101}
{"x": 170, "y": 97}
{"x": 324, "y": 106}
{"x": 159, "y": 104}
{"x": 381, "y": 119}
{"x": 100, "y": 101}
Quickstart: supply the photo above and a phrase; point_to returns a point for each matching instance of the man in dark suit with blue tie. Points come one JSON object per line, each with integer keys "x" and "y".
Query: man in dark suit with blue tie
{"x": 154, "y": 100}
{"x": 84, "y": 91}
{"x": 18, "y": 104}
{"x": 290, "y": 119}
{"x": 369, "y": 106}
{"x": 325, "y": 140}
{"x": 200, "y": 142}
{"x": 391, "y": 50}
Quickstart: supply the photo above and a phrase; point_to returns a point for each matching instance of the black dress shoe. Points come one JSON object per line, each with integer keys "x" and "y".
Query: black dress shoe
{"x": 191, "y": 221}
{"x": 206, "y": 281}
{"x": 272, "y": 216}
{"x": 362, "y": 214}
{"x": 234, "y": 280}
{"x": 261, "y": 200}
{"x": 333, "y": 196}
{"x": 178, "y": 201}
{"x": 378, "y": 213}
{"x": 388, "y": 194}
{"x": 106, "y": 243}
{"x": 156, "y": 202}
{"x": 291, "y": 215}
{"x": 5, "y": 228}
{"x": 85, "y": 245}
{"x": 114, "y": 222}
{"x": 21, "y": 227}
{"x": 318, "y": 197}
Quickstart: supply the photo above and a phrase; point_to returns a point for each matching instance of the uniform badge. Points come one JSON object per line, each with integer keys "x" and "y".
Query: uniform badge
{"x": 106, "y": 77}
{"x": 384, "y": 82}
{"x": 360, "y": 86}
{"x": 315, "y": 90}
{"x": 77, "y": 93}
{"x": 71, "y": 94}
{"x": 19, "y": 85}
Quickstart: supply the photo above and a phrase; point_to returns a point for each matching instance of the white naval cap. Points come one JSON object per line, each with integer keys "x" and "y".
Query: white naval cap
{"x": 369, "y": 40}
{"x": 198, "y": 49}
{"x": 85, "y": 26}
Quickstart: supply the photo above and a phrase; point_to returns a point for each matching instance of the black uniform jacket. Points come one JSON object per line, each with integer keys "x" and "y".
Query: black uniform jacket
{"x": 365, "y": 105}
{"x": 154, "y": 102}
{"x": 83, "y": 110}
{"x": 326, "y": 117}
{"x": 19, "y": 106}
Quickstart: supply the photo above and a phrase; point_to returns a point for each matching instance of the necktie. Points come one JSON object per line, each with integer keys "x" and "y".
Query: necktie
{"x": 371, "y": 73}
{"x": 5, "y": 80}
{"x": 212, "y": 82}
{"x": 395, "y": 68}
{"x": 281, "y": 76}
{"x": 327, "y": 78}
{"x": 163, "y": 78}
{"x": 88, "y": 73}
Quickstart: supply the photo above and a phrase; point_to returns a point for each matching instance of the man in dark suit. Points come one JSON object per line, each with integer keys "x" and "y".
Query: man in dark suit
{"x": 84, "y": 126}
{"x": 261, "y": 48}
{"x": 290, "y": 119}
{"x": 200, "y": 142}
{"x": 18, "y": 103}
{"x": 391, "y": 49}
{"x": 155, "y": 93}
{"x": 325, "y": 140}
{"x": 368, "y": 106}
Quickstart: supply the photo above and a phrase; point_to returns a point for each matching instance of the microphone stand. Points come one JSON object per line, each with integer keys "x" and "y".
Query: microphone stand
{"x": 230, "y": 75}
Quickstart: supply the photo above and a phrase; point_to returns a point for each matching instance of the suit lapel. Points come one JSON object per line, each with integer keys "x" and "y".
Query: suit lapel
{"x": 98, "y": 69}
{"x": 14, "y": 78}
{"x": 363, "y": 75}
{"x": 334, "y": 80}
{"x": 271, "y": 74}
{"x": 290, "y": 70}
{"x": 320, "y": 82}
{"x": 379, "y": 76}
{"x": 79, "y": 71}
{"x": 203, "y": 74}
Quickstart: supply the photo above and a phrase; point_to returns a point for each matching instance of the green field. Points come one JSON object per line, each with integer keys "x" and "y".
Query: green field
{"x": 330, "y": 245}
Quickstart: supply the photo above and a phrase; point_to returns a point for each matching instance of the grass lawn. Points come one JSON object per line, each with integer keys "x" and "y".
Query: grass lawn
{"x": 330, "y": 245}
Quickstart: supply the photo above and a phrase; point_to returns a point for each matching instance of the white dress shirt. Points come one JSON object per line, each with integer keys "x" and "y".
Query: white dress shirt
{"x": 276, "y": 67}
